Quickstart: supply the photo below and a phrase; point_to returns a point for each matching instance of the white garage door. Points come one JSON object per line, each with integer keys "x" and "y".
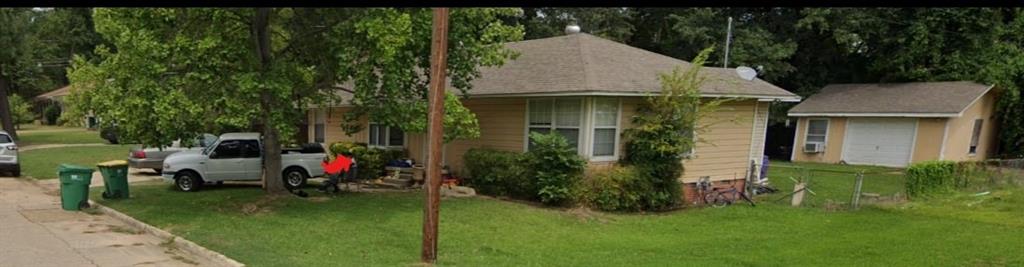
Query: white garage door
{"x": 879, "y": 141}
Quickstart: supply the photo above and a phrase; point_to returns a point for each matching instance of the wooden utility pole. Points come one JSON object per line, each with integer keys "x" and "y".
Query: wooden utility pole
{"x": 438, "y": 65}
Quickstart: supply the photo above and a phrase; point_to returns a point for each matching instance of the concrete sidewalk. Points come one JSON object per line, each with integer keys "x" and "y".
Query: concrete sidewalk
{"x": 35, "y": 231}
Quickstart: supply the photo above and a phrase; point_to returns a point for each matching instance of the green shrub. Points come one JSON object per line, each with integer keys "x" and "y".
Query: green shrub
{"x": 555, "y": 166}
{"x": 51, "y": 114}
{"x": 664, "y": 130}
{"x": 931, "y": 177}
{"x": 498, "y": 173}
{"x": 620, "y": 188}
{"x": 371, "y": 160}
{"x": 21, "y": 111}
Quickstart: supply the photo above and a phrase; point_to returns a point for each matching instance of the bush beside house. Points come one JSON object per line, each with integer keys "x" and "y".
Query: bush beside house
{"x": 371, "y": 161}
{"x": 549, "y": 173}
{"x": 555, "y": 166}
{"x": 498, "y": 173}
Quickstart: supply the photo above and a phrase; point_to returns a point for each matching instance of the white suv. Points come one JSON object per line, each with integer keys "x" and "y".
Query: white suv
{"x": 9, "y": 154}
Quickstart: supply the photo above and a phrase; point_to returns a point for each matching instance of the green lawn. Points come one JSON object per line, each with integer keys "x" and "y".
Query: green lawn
{"x": 58, "y": 135}
{"x": 383, "y": 229}
{"x": 832, "y": 182}
{"x": 42, "y": 163}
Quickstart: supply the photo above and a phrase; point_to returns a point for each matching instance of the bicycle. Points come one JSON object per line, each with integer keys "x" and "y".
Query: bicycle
{"x": 720, "y": 197}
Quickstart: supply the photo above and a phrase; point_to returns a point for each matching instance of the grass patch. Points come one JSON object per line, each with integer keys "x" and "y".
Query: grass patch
{"x": 58, "y": 135}
{"x": 42, "y": 163}
{"x": 360, "y": 229}
{"x": 832, "y": 182}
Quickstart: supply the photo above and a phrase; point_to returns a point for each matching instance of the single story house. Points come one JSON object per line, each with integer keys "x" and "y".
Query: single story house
{"x": 896, "y": 124}
{"x": 58, "y": 97}
{"x": 586, "y": 88}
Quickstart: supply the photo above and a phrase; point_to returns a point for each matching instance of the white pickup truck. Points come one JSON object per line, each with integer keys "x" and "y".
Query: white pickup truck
{"x": 238, "y": 157}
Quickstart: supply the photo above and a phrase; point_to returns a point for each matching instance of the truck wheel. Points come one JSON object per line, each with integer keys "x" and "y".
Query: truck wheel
{"x": 188, "y": 181}
{"x": 294, "y": 178}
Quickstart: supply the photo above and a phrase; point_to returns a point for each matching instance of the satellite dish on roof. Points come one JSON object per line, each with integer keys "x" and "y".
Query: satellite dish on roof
{"x": 746, "y": 73}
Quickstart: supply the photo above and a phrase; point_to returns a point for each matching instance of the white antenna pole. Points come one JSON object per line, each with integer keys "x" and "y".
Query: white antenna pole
{"x": 728, "y": 38}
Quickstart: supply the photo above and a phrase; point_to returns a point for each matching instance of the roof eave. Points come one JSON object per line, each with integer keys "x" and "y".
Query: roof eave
{"x": 893, "y": 115}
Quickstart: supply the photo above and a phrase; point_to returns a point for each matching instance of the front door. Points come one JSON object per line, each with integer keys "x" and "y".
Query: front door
{"x": 226, "y": 162}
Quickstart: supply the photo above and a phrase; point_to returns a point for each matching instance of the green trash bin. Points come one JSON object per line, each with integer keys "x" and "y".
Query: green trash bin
{"x": 74, "y": 186}
{"x": 115, "y": 178}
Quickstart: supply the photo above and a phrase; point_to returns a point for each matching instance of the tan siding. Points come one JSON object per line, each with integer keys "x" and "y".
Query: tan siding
{"x": 929, "y": 139}
{"x": 833, "y": 146}
{"x": 960, "y": 130}
{"x": 334, "y": 133}
{"x": 629, "y": 106}
{"x": 502, "y": 127}
{"x": 332, "y": 129}
{"x": 725, "y": 152}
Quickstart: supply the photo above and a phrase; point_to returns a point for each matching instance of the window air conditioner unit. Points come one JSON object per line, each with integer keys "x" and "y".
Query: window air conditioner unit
{"x": 814, "y": 147}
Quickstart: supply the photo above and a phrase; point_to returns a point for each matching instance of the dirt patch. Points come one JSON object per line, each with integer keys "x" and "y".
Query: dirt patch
{"x": 318, "y": 199}
{"x": 263, "y": 205}
{"x": 588, "y": 215}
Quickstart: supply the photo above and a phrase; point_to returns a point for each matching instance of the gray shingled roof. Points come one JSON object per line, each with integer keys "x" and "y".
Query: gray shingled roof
{"x": 583, "y": 63}
{"x": 943, "y": 99}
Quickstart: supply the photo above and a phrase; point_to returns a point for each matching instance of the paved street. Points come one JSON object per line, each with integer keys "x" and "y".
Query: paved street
{"x": 35, "y": 231}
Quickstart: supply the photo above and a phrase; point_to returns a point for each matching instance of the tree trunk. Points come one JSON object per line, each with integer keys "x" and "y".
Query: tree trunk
{"x": 5, "y": 108}
{"x": 272, "y": 181}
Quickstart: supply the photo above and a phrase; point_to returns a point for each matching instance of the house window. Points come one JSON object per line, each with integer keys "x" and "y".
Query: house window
{"x": 319, "y": 122}
{"x": 563, "y": 116}
{"x": 817, "y": 129}
{"x": 386, "y": 136}
{"x": 975, "y": 136}
{"x": 693, "y": 147}
{"x": 606, "y": 127}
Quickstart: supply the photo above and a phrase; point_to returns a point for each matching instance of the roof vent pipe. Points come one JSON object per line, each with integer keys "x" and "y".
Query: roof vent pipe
{"x": 571, "y": 29}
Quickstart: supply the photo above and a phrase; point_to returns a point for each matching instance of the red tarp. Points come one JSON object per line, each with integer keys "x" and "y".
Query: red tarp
{"x": 340, "y": 164}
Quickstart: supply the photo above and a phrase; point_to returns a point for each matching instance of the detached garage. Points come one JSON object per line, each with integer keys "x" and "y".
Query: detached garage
{"x": 895, "y": 124}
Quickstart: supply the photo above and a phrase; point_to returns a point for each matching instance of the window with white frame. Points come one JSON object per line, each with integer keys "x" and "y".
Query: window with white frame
{"x": 817, "y": 129}
{"x": 975, "y": 135}
{"x": 319, "y": 125}
{"x": 386, "y": 136}
{"x": 563, "y": 116}
{"x": 605, "y": 127}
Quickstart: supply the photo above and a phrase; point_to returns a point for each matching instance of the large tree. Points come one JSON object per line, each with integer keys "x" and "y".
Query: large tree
{"x": 175, "y": 71}
{"x": 14, "y": 58}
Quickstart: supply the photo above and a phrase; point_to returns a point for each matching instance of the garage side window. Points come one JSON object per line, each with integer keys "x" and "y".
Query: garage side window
{"x": 975, "y": 136}
{"x": 817, "y": 129}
